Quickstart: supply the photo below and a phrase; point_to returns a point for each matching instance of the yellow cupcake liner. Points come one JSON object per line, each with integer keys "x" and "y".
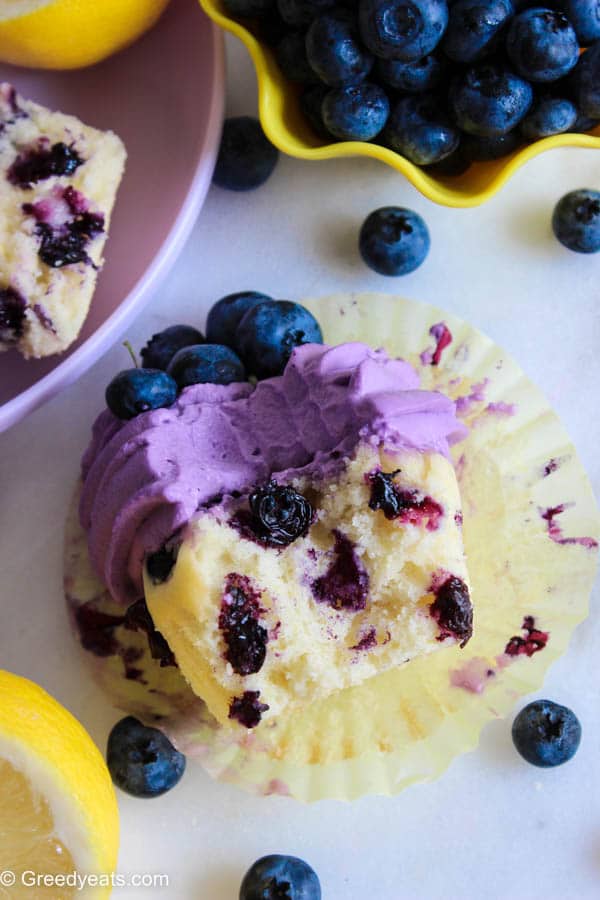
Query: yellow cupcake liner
{"x": 531, "y": 530}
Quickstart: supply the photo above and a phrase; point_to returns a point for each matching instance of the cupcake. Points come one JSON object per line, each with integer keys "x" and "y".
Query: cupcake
{"x": 58, "y": 187}
{"x": 280, "y": 568}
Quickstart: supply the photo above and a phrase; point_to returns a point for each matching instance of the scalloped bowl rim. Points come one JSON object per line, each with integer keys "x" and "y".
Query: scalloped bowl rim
{"x": 435, "y": 190}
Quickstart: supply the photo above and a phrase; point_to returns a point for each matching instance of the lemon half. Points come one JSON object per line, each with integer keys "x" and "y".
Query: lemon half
{"x": 58, "y": 810}
{"x": 69, "y": 34}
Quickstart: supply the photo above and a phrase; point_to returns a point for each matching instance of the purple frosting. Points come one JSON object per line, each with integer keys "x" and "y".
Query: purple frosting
{"x": 145, "y": 478}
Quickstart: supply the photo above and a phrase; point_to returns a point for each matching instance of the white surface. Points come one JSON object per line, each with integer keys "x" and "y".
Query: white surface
{"x": 492, "y": 827}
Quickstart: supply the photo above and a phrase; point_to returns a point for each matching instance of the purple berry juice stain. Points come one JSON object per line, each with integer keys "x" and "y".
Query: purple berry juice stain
{"x": 443, "y": 338}
{"x": 532, "y": 642}
{"x": 345, "y": 585}
{"x": 555, "y": 531}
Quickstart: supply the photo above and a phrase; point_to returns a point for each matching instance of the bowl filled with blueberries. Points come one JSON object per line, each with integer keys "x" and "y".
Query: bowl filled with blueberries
{"x": 455, "y": 94}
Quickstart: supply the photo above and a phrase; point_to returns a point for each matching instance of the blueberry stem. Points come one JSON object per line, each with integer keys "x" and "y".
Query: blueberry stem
{"x": 131, "y": 352}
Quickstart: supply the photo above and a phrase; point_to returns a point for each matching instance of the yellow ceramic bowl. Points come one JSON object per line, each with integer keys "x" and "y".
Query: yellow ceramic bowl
{"x": 286, "y": 127}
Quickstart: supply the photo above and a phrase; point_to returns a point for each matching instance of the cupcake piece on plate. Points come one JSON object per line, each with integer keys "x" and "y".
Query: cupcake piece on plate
{"x": 57, "y": 189}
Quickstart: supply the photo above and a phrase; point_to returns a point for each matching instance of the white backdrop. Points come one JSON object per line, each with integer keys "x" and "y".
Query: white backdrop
{"x": 493, "y": 828}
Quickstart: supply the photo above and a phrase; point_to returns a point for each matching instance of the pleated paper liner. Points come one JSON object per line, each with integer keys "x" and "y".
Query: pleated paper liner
{"x": 531, "y": 529}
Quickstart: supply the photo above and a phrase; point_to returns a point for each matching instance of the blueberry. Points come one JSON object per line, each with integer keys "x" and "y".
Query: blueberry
{"x": 279, "y": 514}
{"x": 576, "y": 221}
{"x": 206, "y": 364}
{"x": 584, "y": 123}
{"x": 246, "y": 158}
{"x": 311, "y": 104}
{"x": 485, "y": 149}
{"x": 548, "y": 116}
{"x": 291, "y": 57}
{"x": 542, "y": 44}
{"x": 43, "y": 162}
{"x": 584, "y": 16}
{"x": 474, "y": 28}
{"x": 300, "y": 13}
{"x": 419, "y": 129}
{"x": 413, "y": 77}
{"x": 546, "y": 734}
{"x": 453, "y": 610}
{"x": 394, "y": 241}
{"x": 269, "y": 332}
{"x": 356, "y": 112}
{"x": 335, "y": 51}
{"x": 160, "y": 350}
{"x": 586, "y": 82}
{"x": 244, "y": 637}
{"x": 142, "y": 761}
{"x": 12, "y": 315}
{"x": 451, "y": 166}
{"x": 489, "y": 100}
{"x": 134, "y": 391}
{"x": 224, "y": 317}
{"x": 250, "y": 9}
{"x": 280, "y": 878}
{"x": 402, "y": 29}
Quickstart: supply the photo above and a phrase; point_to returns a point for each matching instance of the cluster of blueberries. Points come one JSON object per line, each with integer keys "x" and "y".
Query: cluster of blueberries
{"x": 247, "y": 334}
{"x": 441, "y": 82}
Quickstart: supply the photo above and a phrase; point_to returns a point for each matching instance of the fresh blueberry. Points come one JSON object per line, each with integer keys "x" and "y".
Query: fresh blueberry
{"x": 206, "y": 364}
{"x": 311, "y": 104}
{"x": 474, "y": 28}
{"x": 586, "y": 82}
{"x": 300, "y": 13}
{"x": 141, "y": 760}
{"x": 224, "y": 317}
{"x": 413, "y": 77}
{"x": 291, "y": 56}
{"x": 271, "y": 29}
{"x": 246, "y": 158}
{"x": 548, "y": 115}
{"x": 584, "y": 16}
{"x": 546, "y": 734}
{"x": 576, "y": 221}
{"x": 249, "y": 9}
{"x": 484, "y": 149}
{"x": 584, "y": 123}
{"x": 402, "y": 29}
{"x": 393, "y": 240}
{"x": 419, "y": 129}
{"x": 134, "y": 391}
{"x": 489, "y": 100}
{"x": 542, "y": 44}
{"x": 270, "y": 331}
{"x": 160, "y": 350}
{"x": 452, "y": 166}
{"x": 335, "y": 51}
{"x": 357, "y": 112}
{"x": 280, "y": 878}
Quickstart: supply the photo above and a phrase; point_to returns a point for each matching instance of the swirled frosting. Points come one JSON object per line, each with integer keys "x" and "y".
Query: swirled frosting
{"x": 146, "y": 478}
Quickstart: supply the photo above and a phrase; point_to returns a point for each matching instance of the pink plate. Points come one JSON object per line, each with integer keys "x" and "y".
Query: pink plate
{"x": 164, "y": 98}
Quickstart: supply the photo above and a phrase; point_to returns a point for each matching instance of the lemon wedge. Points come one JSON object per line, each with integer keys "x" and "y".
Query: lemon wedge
{"x": 68, "y": 34}
{"x": 59, "y": 821}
